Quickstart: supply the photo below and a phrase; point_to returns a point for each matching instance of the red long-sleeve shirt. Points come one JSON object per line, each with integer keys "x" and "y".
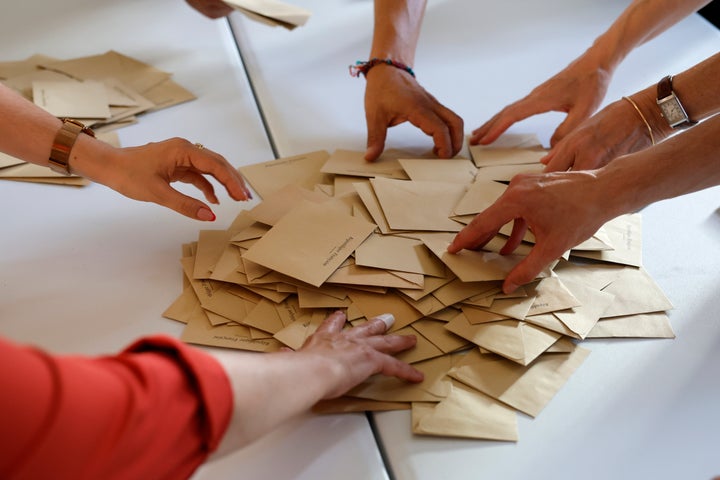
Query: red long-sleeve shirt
{"x": 156, "y": 410}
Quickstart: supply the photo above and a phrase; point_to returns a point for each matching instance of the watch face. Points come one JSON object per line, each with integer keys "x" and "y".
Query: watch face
{"x": 672, "y": 110}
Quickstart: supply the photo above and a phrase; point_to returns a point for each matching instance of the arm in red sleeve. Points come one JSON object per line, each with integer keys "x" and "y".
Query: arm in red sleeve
{"x": 156, "y": 410}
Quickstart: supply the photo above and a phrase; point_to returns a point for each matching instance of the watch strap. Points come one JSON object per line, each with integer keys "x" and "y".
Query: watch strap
{"x": 664, "y": 87}
{"x": 59, "y": 160}
{"x": 665, "y": 90}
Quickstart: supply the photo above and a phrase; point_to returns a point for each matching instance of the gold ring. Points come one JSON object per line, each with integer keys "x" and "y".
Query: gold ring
{"x": 200, "y": 146}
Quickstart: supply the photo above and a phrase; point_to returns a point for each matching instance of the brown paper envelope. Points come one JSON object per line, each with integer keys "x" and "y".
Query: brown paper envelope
{"x": 88, "y": 99}
{"x": 134, "y": 73}
{"x": 433, "y": 388}
{"x": 625, "y": 233}
{"x": 65, "y": 181}
{"x": 581, "y": 319}
{"x": 8, "y": 161}
{"x": 228, "y": 267}
{"x": 310, "y": 242}
{"x": 417, "y": 279}
{"x": 457, "y": 290}
{"x": 14, "y": 68}
{"x": 344, "y": 183}
{"x": 372, "y": 205}
{"x": 454, "y": 170}
{"x": 563, "y": 345}
{"x": 476, "y": 316}
{"x": 519, "y": 341}
{"x": 200, "y": 331}
{"x": 251, "y": 232}
{"x": 273, "y": 11}
{"x": 211, "y": 245}
{"x": 517, "y": 308}
{"x": 635, "y": 292}
{"x": 595, "y": 275}
{"x": 473, "y": 265}
{"x": 316, "y": 299}
{"x": 441, "y": 337}
{"x": 374, "y": 304}
{"x": 644, "y": 325}
{"x": 445, "y": 315}
{"x": 184, "y": 307}
{"x": 430, "y": 285}
{"x": 264, "y": 317}
{"x": 510, "y": 140}
{"x": 295, "y": 334}
{"x": 267, "y": 291}
{"x": 488, "y": 156}
{"x": 549, "y": 321}
{"x": 275, "y": 205}
{"x": 551, "y": 295}
{"x": 353, "y": 405}
{"x": 427, "y": 305}
{"x": 352, "y": 274}
{"x": 499, "y": 241}
{"x": 348, "y": 162}
{"x": 23, "y": 83}
{"x": 479, "y": 196}
{"x": 398, "y": 253}
{"x": 302, "y": 170}
{"x": 505, "y": 173}
{"x": 423, "y": 350}
{"x": 427, "y": 206}
{"x": 599, "y": 241}
{"x": 465, "y": 413}
{"x": 528, "y": 389}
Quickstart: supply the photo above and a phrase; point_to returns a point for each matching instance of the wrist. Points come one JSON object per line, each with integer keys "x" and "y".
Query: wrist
{"x": 93, "y": 159}
{"x": 647, "y": 104}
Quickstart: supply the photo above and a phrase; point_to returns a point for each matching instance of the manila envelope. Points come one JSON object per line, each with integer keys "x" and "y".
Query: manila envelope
{"x": 199, "y": 331}
{"x": 582, "y": 318}
{"x": 210, "y": 246}
{"x": 477, "y": 316}
{"x": 345, "y": 184}
{"x": 264, "y": 317}
{"x": 88, "y": 99}
{"x": 427, "y": 305}
{"x": 398, "y": 253}
{"x": 374, "y": 304}
{"x": 465, "y": 413}
{"x": 430, "y": 285}
{"x": 272, "y": 12}
{"x": 351, "y": 274}
{"x": 486, "y": 156}
{"x": 349, "y": 162}
{"x": 409, "y": 205}
{"x": 184, "y": 307}
{"x": 372, "y": 205}
{"x": 551, "y": 295}
{"x": 354, "y": 405}
{"x": 457, "y": 290}
{"x": 433, "y": 388}
{"x": 625, "y": 233}
{"x": 423, "y": 350}
{"x": 302, "y": 170}
{"x": 479, "y": 196}
{"x": 519, "y": 341}
{"x": 635, "y": 292}
{"x": 514, "y": 140}
{"x": 472, "y": 265}
{"x": 644, "y": 325}
{"x": 275, "y": 205}
{"x": 316, "y": 299}
{"x": 310, "y": 242}
{"x": 505, "y": 173}
{"x": 453, "y": 170}
{"x": 295, "y": 334}
{"x": 441, "y": 337}
{"x": 525, "y": 388}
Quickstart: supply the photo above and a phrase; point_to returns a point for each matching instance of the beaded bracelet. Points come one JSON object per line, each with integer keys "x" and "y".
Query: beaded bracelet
{"x": 364, "y": 67}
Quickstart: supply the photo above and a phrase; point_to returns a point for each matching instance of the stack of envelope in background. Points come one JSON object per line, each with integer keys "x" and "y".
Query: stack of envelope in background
{"x": 334, "y": 232}
{"x": 104, "y": 92}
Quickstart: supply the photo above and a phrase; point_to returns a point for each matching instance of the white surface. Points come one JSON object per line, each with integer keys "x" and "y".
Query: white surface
{"x": 636, "y": 408}
{"x": 87, "y": 270}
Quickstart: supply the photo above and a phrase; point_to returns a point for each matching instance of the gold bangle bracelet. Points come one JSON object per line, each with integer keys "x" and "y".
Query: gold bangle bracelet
{"x": 637, "y": 109}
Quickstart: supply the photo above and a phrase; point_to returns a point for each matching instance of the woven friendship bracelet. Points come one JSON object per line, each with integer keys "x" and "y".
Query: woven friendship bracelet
{"x": 637, "y": 109}
{"x": 361, "y": 67}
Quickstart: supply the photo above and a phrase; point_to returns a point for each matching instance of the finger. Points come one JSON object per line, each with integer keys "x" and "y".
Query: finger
{"x": 163, "y": 194}
{"x": 431, "y": 124}
{"x": 572, "y": 120}
{"x": 528, "y": 269}
{"x": 482, "y": 228}
{"x": 202, "y": 184}
{"x": 456, "y": 126}
{"x": 516, "y": 237}
{"x": 392, "y": 367}
{"x": 377, "y": 133}
{"x": 209, "y": 162}
{"x": 391, "y": 344}
{"x": 333, "y": 323}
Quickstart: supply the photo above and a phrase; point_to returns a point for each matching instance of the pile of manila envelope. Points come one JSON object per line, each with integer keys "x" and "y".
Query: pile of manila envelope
{"x": 334, "y": 232}
{"x": 104, "y": 92}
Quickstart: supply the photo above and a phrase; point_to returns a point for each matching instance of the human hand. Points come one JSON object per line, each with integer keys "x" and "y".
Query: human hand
{"x": 211, "y": 8}
{"x": 145, "y": 173}
{"x": 577, "y": 90}
{"x": 612, "y": 132}
{"x": 562, "y": 209}
{"x": 359, "y": 352}
{"x": 392, "y": 97}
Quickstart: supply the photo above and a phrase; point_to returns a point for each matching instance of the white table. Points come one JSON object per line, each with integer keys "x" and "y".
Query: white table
{"x": 87, "y": 270}
{"x": 636, "y": 408}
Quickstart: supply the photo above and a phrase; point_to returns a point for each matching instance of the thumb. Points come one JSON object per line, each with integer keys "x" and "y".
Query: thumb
{"x": 377, "y": 133}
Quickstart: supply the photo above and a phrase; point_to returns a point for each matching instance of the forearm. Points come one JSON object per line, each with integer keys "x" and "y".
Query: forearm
{"x": 397, "y": 29}
{"x": 683, "y": 164}
{"x": 271, "y": 389}
{"x": 641, "y": 21}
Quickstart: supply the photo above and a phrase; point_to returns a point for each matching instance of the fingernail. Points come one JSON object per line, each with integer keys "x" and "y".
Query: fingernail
{"x": 509, "y": 287}
{"x": 205, "y": 215}
{"x": 388, "y": 319}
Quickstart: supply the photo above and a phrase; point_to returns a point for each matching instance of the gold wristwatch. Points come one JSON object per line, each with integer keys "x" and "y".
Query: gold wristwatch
{"x": 59, "y": 160}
